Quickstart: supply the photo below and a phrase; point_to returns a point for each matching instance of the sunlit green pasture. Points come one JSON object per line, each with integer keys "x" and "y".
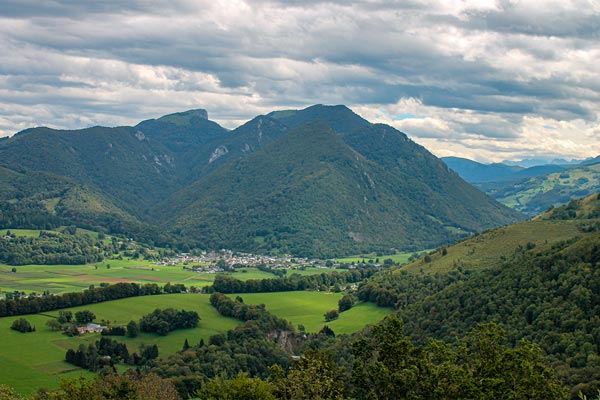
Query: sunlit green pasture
{"x": 308, "y": 309}
{"x": 398, "y": 258}
{"x": 489, "y": 248}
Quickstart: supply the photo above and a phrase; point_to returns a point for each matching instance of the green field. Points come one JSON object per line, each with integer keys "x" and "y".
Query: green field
{"x": 32, "y": 360}
{"x": 21, "y": 232}
{"x": 398, "y": 258}
{"x": 70, "y": 278}
{"x": 307, "y": 308}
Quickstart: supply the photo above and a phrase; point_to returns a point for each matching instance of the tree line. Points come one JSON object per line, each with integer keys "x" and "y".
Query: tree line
{"x": 324, "y": 281}
{"x": 164, "y": 321}
{"x": 49, "y": 302}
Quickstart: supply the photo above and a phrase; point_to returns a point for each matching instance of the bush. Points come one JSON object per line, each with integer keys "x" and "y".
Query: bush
{"x": 22, "y": 325}
{"x": 331, "y": 315}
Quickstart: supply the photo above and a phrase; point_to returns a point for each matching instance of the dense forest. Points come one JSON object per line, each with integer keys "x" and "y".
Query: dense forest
{"x": 550, "y": 298}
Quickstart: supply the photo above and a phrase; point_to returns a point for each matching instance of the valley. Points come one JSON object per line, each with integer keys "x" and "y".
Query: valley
{"x": 301, "y": 236}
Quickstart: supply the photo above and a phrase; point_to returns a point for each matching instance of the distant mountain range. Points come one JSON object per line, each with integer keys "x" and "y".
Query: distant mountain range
{"x": 534, "y": 189}
{"x": 320, "y": 181}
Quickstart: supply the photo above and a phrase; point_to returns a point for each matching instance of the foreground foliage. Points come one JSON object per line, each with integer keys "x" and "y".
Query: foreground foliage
{"x": 550, "y": 297}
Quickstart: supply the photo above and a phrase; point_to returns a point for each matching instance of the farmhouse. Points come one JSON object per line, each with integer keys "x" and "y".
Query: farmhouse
{"x": 90, "y": 328}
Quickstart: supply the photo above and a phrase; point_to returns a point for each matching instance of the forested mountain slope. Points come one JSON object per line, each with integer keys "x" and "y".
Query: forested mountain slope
{"x": 547, "y": 293}
{"x": 316, "y": 191}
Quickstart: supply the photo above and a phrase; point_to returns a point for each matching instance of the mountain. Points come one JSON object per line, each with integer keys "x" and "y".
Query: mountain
{"x": 475, "y": 172}
{"x": 591, "y": 161}
{"x": 324, "y": 191}
{"x": 133, "y": 171}
{"x": 42, "y": 200}
{"x": 535, "y": 162}
{"x": 318, "y": 181}
{"x": 340, "y": 118}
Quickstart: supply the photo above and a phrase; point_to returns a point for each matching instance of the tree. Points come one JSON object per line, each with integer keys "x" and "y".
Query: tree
{"x": 242, "y": 387}
{"x": 132, "y": 329}
{"x": 131, "y": 385}
{"x": 346, "y": 302}
{"x": 388, "y": 365}
{"x": 22, "y": 325}
{"x": 8, "y": 393}
{"x": 314, "y": 376}
{"x": 64, "y": 316}
{"x": 327, "y": 331}
{"x": 84, "y": 316}
{"x": 331, "y": 315}
{"x": 149, "y": 352}
{"x": 53, "y": 324}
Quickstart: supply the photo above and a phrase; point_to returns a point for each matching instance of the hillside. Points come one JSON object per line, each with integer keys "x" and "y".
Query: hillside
{"x": 278, "y": 183}
{"x": 127, "y": 167}
{"x": 36, "y": 199}
{"x": 388, "y": 193}
{"x": 534, "y": 189}
{"x": 542, "y": 287}
{"x": 535, "y": 195}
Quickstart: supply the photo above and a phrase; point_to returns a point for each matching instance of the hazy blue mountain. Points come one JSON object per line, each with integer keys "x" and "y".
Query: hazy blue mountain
{"x": 475, "y": 172}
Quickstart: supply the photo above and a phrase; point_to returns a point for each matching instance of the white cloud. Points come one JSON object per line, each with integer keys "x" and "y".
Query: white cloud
{"x": 478, "y": 78}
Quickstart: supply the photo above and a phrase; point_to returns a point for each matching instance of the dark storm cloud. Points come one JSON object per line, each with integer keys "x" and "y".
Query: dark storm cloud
{"x": 500, "y": 65}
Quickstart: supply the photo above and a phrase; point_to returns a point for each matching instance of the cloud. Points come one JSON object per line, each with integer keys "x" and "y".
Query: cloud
{"x": 474, "y": 74}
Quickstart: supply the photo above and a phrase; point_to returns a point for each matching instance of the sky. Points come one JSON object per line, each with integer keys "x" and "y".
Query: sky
{"x": 486, "y": 80}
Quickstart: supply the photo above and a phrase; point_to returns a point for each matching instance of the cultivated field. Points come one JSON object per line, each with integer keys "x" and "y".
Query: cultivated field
{"x": 72, "y": 278}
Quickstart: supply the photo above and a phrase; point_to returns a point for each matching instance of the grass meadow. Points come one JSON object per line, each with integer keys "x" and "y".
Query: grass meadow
{"x": 32, "y": 360}
{"x": 484, "y": 250}
{"x": 398, "y": 258}
{"x": 308, "y": 309}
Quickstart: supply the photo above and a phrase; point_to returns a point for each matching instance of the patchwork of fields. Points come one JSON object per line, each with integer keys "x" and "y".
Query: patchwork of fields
{"x": 70, "y": 278}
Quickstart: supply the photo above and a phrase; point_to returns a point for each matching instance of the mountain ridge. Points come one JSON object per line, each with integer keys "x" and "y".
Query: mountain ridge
{"x": 166, "y": 171}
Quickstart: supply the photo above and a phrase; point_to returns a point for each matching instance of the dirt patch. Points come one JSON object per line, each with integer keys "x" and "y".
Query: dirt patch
{"x": 149, "y": 278}
{"x": 103, "y": 279}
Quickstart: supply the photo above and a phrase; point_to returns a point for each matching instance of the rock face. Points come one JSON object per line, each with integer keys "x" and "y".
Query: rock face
{"x": 218, "y": 153}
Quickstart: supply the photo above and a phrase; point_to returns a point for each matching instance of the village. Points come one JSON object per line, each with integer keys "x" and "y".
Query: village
{"x": 227, "y": 260}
